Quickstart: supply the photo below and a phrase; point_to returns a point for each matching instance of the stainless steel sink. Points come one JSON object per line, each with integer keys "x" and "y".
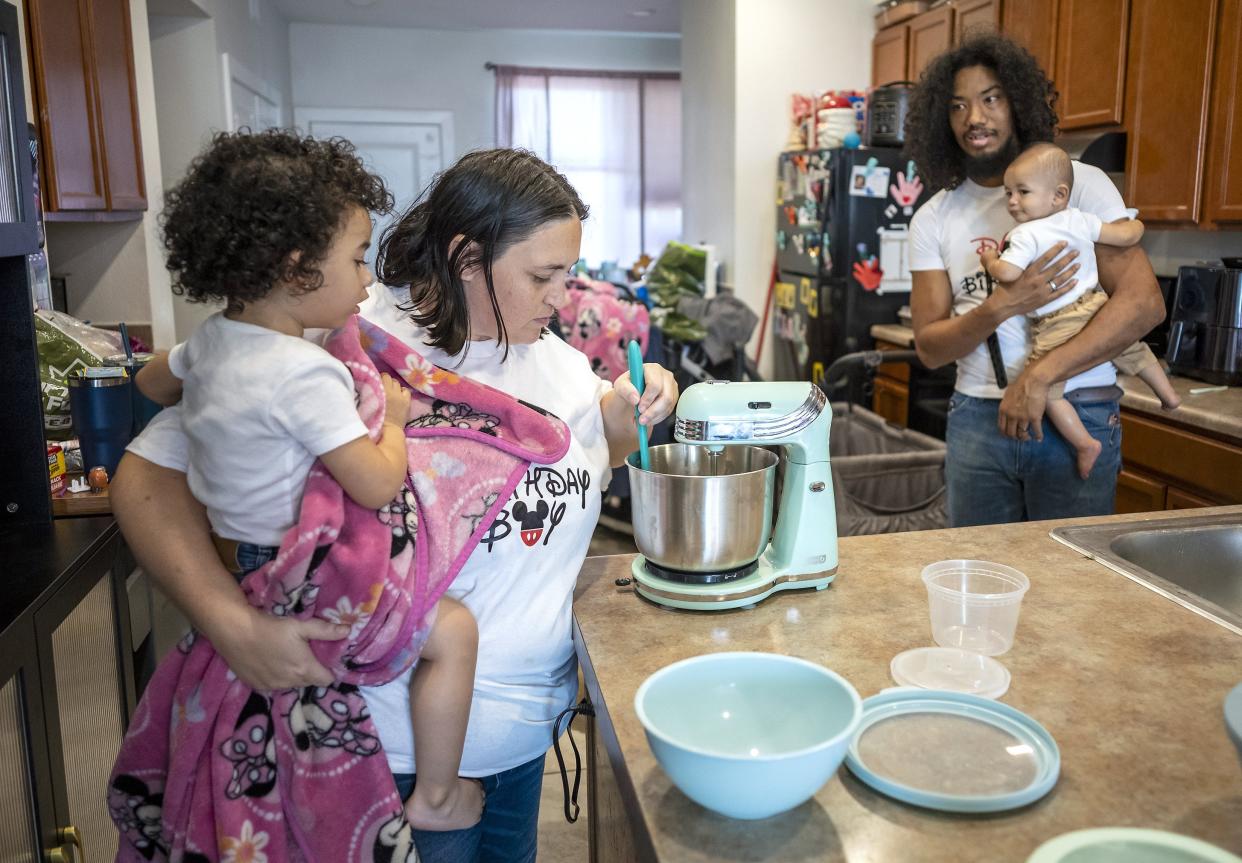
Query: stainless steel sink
{"x": 1195, "y": 561}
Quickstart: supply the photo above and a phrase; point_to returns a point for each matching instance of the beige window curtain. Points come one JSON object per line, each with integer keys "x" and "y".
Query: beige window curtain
{"x": 616, "y": 136}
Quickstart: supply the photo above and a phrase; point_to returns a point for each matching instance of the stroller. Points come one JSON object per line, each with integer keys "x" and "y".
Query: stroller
{"x": 886, "y": 479}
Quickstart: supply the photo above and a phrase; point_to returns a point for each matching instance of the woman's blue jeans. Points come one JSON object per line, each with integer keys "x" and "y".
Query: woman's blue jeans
{"x": 993, "y": 479}
{"x": 509, "y": 830}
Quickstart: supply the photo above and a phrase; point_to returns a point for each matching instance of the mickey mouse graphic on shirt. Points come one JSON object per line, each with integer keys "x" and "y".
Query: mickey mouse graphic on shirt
{"x": 539, "y": 505}
{"x": 531, "y": 521}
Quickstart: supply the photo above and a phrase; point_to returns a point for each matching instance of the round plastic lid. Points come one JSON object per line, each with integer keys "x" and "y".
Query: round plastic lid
{"x": 952, "y": 751}
{"x": 951, "y": 668}
{"x": 1128, "y": 845}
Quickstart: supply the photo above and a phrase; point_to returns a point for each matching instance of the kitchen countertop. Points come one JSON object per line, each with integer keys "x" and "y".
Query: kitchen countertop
{"x": 1130, "y": 684}
{"x": 1219, "y": 413}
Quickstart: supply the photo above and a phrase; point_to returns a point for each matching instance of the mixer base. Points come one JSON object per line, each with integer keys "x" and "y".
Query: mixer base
{"x": 747, "y": 590}
{"x": 683, "y": 577}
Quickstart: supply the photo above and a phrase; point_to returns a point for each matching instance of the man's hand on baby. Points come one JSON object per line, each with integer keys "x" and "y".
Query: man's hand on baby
{"x": 396, "y": 401}
{"x": 659, "y": 397}
{"x": 1049, "y": 276}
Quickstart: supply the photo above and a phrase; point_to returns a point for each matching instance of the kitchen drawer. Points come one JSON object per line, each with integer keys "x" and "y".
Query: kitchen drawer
{"x": 897, "y": 371}
{"x": 1137, "y": 493}
{"x": 1196, "y": 463}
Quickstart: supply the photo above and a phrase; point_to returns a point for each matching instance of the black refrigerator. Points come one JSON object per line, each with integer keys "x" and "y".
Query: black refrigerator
{"x": 842, "y": 253}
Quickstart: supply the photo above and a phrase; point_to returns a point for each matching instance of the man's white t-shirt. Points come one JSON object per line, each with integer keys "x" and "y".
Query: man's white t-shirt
{"x": 1078, "y": 230}
{"x": 519, "y": 581}
{"x": 947, "y": 234}
{"x": 258, "y": 408}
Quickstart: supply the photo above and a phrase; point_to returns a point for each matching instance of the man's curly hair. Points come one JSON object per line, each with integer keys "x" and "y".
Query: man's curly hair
{"x": 929, "y": 140}
{"x": 250, "y": 201}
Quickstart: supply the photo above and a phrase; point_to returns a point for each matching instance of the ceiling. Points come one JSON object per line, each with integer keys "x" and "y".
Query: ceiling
{"x": 656, "y": 16}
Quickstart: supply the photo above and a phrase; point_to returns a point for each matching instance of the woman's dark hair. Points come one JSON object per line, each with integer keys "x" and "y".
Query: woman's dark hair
{"x": 1032, "y": 97}
{"x": 492, "y": 199}
{"x": 251, "y": 200}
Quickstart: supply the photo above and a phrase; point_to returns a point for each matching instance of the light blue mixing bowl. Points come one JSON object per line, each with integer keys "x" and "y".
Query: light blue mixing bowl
{"x": 748, "y": 735}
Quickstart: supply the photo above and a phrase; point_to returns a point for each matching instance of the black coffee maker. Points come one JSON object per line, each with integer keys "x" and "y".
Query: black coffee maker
{"x": 1205, "y": 329}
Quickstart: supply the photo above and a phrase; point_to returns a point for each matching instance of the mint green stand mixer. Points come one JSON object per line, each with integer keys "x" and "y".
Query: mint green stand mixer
{"x": 703, "y": 512}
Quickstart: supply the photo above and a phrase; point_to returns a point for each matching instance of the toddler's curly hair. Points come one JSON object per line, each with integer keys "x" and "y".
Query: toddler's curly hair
{"x": 253, "y": 199}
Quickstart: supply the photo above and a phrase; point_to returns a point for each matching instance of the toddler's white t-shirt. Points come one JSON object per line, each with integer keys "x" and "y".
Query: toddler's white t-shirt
{"x": 1078, "y": 230}
{"x": 258, "y": 408}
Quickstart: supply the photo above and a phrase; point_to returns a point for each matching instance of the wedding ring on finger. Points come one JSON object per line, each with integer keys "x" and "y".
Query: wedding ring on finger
{"x": 1052, "y": 285}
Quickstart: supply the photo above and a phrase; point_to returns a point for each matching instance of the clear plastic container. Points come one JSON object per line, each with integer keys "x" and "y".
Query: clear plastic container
{"x": 974, "y": 604}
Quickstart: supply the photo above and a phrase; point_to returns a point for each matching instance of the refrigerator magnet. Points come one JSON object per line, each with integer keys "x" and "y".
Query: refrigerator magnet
{"x": 871, "y": 183}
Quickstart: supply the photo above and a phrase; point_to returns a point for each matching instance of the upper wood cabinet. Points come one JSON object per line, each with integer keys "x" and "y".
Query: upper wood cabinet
{"x": 888, "y": 55}
{"x": 1168, "y": 80}
{"x": 973, "y": 16}
{"x": 82, "y": 65}
{"x": 1033, "y": 24}
{"x": 1223, "y": 188}
{"x": 930, "y": 34}
{"x": 1091, "y": 61}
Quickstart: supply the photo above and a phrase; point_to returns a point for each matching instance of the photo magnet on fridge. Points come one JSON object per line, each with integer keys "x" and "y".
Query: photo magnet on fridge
{"x": 873, "y": 184}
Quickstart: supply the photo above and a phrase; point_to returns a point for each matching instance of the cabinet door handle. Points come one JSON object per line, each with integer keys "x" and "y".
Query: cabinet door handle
{"x": 63, "y": 854}
{"x": 69, "y": 838}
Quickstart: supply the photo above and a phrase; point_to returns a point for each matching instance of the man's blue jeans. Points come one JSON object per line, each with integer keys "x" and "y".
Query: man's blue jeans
{"x": 509, "y": 830}
{"x": 993, "y": 479}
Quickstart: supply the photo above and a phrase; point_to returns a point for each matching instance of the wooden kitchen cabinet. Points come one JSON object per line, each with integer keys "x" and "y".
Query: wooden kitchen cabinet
{"x": 82, "y": 75}
{"x": 1165, "y": 466}
{"x": 891, "y": 400}
{"x": 973, "y": 16}
{"x": 1168, "y": 77}
{"x": 1223, "y": 188}
{"x": 888, "y": 55}
{"x": 930, "y": 34}
{"x": 1090, "y": 71}
{"x": 1033, "y": 24}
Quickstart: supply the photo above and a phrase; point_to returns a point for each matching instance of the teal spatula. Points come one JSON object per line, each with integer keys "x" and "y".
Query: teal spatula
{"x": 635, "y": 355}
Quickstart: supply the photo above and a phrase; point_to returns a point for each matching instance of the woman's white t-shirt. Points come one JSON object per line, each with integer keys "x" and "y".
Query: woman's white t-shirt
{"x": 519, "y": 581}
{"x": 953, "y": 227}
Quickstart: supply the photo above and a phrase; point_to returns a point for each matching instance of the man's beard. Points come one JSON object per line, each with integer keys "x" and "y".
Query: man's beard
{"x": 983, "y": 168}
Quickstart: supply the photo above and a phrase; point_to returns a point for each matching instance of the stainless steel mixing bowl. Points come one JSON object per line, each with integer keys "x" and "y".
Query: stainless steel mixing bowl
{"x": 699, "y": 511}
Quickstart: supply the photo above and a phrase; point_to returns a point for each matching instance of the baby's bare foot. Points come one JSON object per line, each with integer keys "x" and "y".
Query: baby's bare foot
{"x": 1087, "y": 456}
{"x": 1171, "y": 403}
{"x": 460, "y": 808}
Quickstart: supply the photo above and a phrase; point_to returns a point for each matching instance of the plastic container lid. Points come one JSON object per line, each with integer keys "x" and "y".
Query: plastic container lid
{"x": 952, "y": 751}
{"x": 951, "y": 668}
{"x": 1128, "y": 845}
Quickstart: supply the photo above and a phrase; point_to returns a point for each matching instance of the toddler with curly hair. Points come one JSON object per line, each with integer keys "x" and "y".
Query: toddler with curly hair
{"x": 276, "y": 225}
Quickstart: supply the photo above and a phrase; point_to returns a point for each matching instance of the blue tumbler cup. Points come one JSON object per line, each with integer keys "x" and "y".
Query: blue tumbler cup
{"x": 103, "y": 416}
{"x": 144, "y": 408}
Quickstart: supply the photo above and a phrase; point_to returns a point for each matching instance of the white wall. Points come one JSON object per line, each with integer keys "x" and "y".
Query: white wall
{"x": 1169, "y": 250}
{"x": 778, "y": 47}
{"x": 708, "y": 128}
{"x": 442, "y": 70}
{"x": 189, "y": 88}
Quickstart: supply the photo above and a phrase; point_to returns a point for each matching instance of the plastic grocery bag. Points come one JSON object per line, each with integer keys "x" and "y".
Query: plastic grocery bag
{"x": 65, "y": 345}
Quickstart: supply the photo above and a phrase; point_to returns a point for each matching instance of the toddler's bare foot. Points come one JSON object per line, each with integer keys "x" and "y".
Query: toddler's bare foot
{"x": 1087, "y": 456}
{"x": 1171, "y": 402}
{"x": 460, "y": 808}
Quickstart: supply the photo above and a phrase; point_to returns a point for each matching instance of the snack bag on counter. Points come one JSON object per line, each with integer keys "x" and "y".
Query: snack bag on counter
{"x": 65, "y": 345}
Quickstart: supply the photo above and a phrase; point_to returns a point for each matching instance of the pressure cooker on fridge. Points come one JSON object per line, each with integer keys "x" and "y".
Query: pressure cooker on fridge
{"x": 886, "y": 114}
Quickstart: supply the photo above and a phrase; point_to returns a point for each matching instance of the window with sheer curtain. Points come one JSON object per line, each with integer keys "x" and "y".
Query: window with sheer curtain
{"x": 616, "y": 136}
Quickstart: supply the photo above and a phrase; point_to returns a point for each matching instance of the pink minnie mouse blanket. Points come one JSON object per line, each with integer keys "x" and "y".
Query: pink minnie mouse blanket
{"x": 212, "y": 770}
